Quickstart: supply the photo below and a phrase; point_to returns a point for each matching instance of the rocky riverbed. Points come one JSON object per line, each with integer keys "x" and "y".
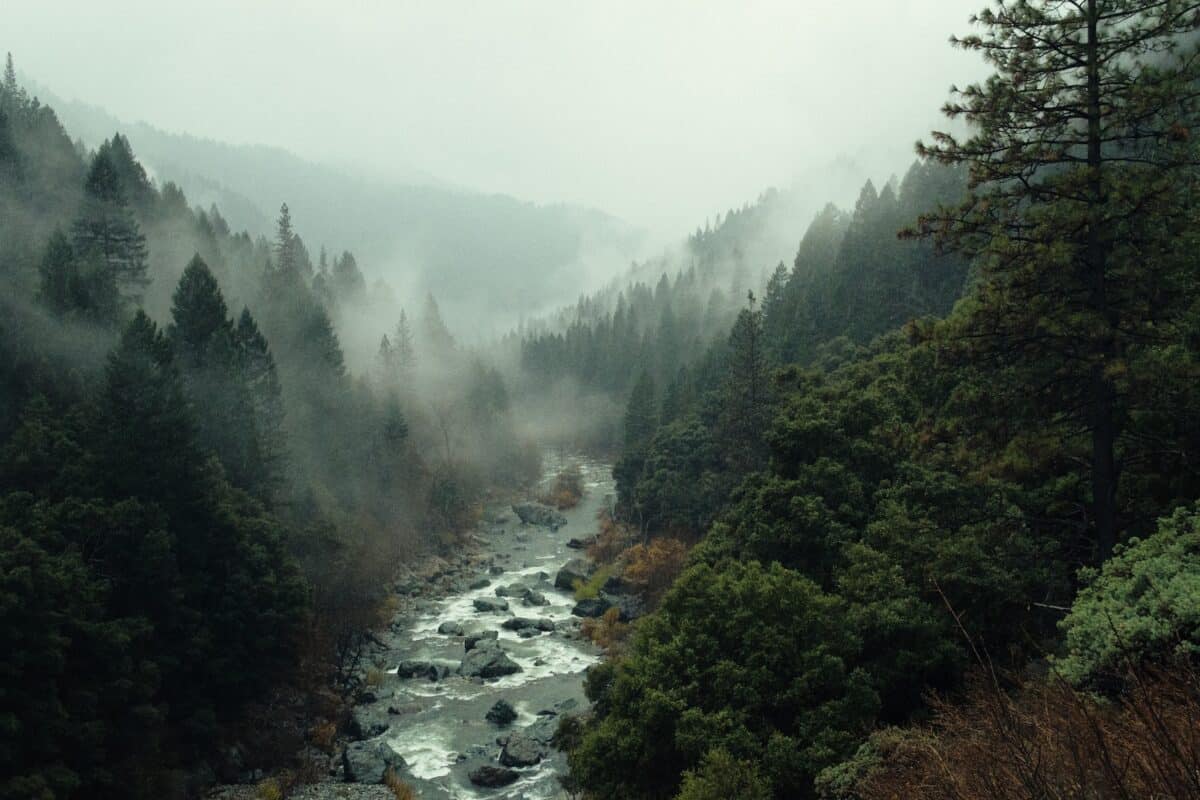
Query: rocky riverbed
{"x": 481, "y": 660}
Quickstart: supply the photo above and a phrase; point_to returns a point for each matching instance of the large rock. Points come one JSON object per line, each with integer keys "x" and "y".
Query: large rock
{"x": 538, "y": 514}
{"x": 474, "y": 639}
{"x": 532, "y": 597}
{"x": 521, "y": 751}
{"x": 502, "y": 713}
{"x": 520, "y": 623}
{"x": 366, "y": 762}
{"x": 492, "y": 777}
{"x": 487, "y": 661}
{"x": 489, "y": 606}
{"x": 366, "y": 722}
{"x": 512, "y": 590}
{"x": 630, "y": 605}
{"x": 577, "y": 569}
{"x": 419, "y": 669}
{"x": 479, "y": 583}
{"x": 451, "y": 628}
{"x": 593, "y": 607}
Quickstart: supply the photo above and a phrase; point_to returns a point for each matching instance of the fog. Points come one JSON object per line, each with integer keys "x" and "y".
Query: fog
{"x": 659, "y": 113}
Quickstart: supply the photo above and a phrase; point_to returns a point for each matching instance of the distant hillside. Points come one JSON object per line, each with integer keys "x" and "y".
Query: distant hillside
{"x": 489, "y": 258}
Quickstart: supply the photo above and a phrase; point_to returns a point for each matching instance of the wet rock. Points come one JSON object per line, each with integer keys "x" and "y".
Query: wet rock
{"x": 512, "y": 590}
{"x": 595, "y": 607}
{"x": 472, "y": 641}
{"x": 481, "y": 583}
{"x": 366, "y": 723}
{"x": 492, "y": 777}
{"x": 538, "y": 514}
{"x": 490, "y": 606}
{"x": 502, "y": 713}
{"x": 577, "y": 569}
{"x": 532, "y": 597}
{"x": 631, "y": 606}
{"x": 419, "y": 669}
{"x": 495, "y": 569}
{"x": 451, "y": 628}
{"x": 521, "y": 750}
{"x": 400, "y": 710}
{"x": 541, "y": 624}
{"x": 486, "y": 660}
{"x": 580, "y": 544}
{"x": 366, "y": 762}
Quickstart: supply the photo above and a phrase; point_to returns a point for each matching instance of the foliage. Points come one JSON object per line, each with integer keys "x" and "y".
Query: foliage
{"x": 1143, "y": 605}
{"x": 653, "y": 568}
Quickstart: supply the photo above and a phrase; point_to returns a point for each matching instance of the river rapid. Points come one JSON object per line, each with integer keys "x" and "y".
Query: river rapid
{"x": 438, "y": 726}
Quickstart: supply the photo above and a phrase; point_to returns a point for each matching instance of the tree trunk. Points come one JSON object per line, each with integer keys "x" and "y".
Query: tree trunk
{"x": 1103, "y": 423}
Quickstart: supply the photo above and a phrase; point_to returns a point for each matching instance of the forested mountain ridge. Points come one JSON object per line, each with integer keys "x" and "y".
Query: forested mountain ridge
{"x": 198, "y": 513}
{"x": 479, "y": 252}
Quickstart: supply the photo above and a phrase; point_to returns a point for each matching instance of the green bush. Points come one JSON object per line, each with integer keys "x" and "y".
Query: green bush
{"x": 1142, "y": 606}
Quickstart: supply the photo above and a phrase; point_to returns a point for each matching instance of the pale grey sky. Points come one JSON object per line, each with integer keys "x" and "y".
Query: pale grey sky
{"x": 659, "y": 112}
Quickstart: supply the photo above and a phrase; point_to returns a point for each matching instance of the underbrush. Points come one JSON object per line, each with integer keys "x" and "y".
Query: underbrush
{"x": 1042, "y": 738}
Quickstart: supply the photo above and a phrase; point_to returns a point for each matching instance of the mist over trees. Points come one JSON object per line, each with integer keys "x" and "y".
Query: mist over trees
{"x": 195, "y": 506}
{"x": 909, "y": 513}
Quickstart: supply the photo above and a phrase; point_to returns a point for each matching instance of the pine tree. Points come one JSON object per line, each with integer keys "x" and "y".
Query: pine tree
{"x": 403, "y": 348}
{"x": 258, "y": 371}
{"x": 106, "y": 232}
{"x": 1080, "y": 174}
{"x": 200, "y": 317}
{"x": 745, "y": 396}
{"x": 436, "y": 336}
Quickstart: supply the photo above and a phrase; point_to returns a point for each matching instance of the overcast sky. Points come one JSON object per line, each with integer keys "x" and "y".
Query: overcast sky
{"x": 659, "y": 112}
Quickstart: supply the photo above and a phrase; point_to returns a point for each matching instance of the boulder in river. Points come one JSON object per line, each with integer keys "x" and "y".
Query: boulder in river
{"x": 538, "y": 514}
{"x": 419, "y": 669}
{"x": 577, "y": 569}
{"x": 488, "y": 605}
{"x": 491, "y": 777}
{"x": 495, "y": 569}
{"x": 502, "y": 713}
{"x": 486, "y": 660}
{"x": 366, "y": 762}
{"x": 593, "y": 607}
{"x": 451, "y": 628}
{"x": 580, "y": 544}
{"x": 512, "y": 590}
{"x": 518, "y": 623}
{"x": 532, "y": 597}
{"x": 480, "y": 583}
{"x": 520, "y": 751}
{"x": 474, "y": 639}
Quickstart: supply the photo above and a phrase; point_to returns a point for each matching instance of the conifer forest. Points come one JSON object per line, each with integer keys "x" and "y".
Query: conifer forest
{"x": 387, "y": 413}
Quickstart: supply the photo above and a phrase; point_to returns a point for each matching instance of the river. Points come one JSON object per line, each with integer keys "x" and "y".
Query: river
{"x": 439, "y": 726}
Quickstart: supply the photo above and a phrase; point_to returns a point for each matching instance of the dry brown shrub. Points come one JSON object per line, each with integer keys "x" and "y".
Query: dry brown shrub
{"x": 652, "y": 568}
{"x": 1046, "y": 740}
{"x": 607, "y": 631}
{"x": 400, "y": 789}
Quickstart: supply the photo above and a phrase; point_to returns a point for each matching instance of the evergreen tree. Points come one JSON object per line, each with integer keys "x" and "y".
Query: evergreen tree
{"x": 436, "y": 337}
{"x": 259, "y": 375}
{"x": 745, "y": 396}
{"x": 1080, "y": 165}
{"x": 106, "y": 233}
{"x": 403, "y": 348}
